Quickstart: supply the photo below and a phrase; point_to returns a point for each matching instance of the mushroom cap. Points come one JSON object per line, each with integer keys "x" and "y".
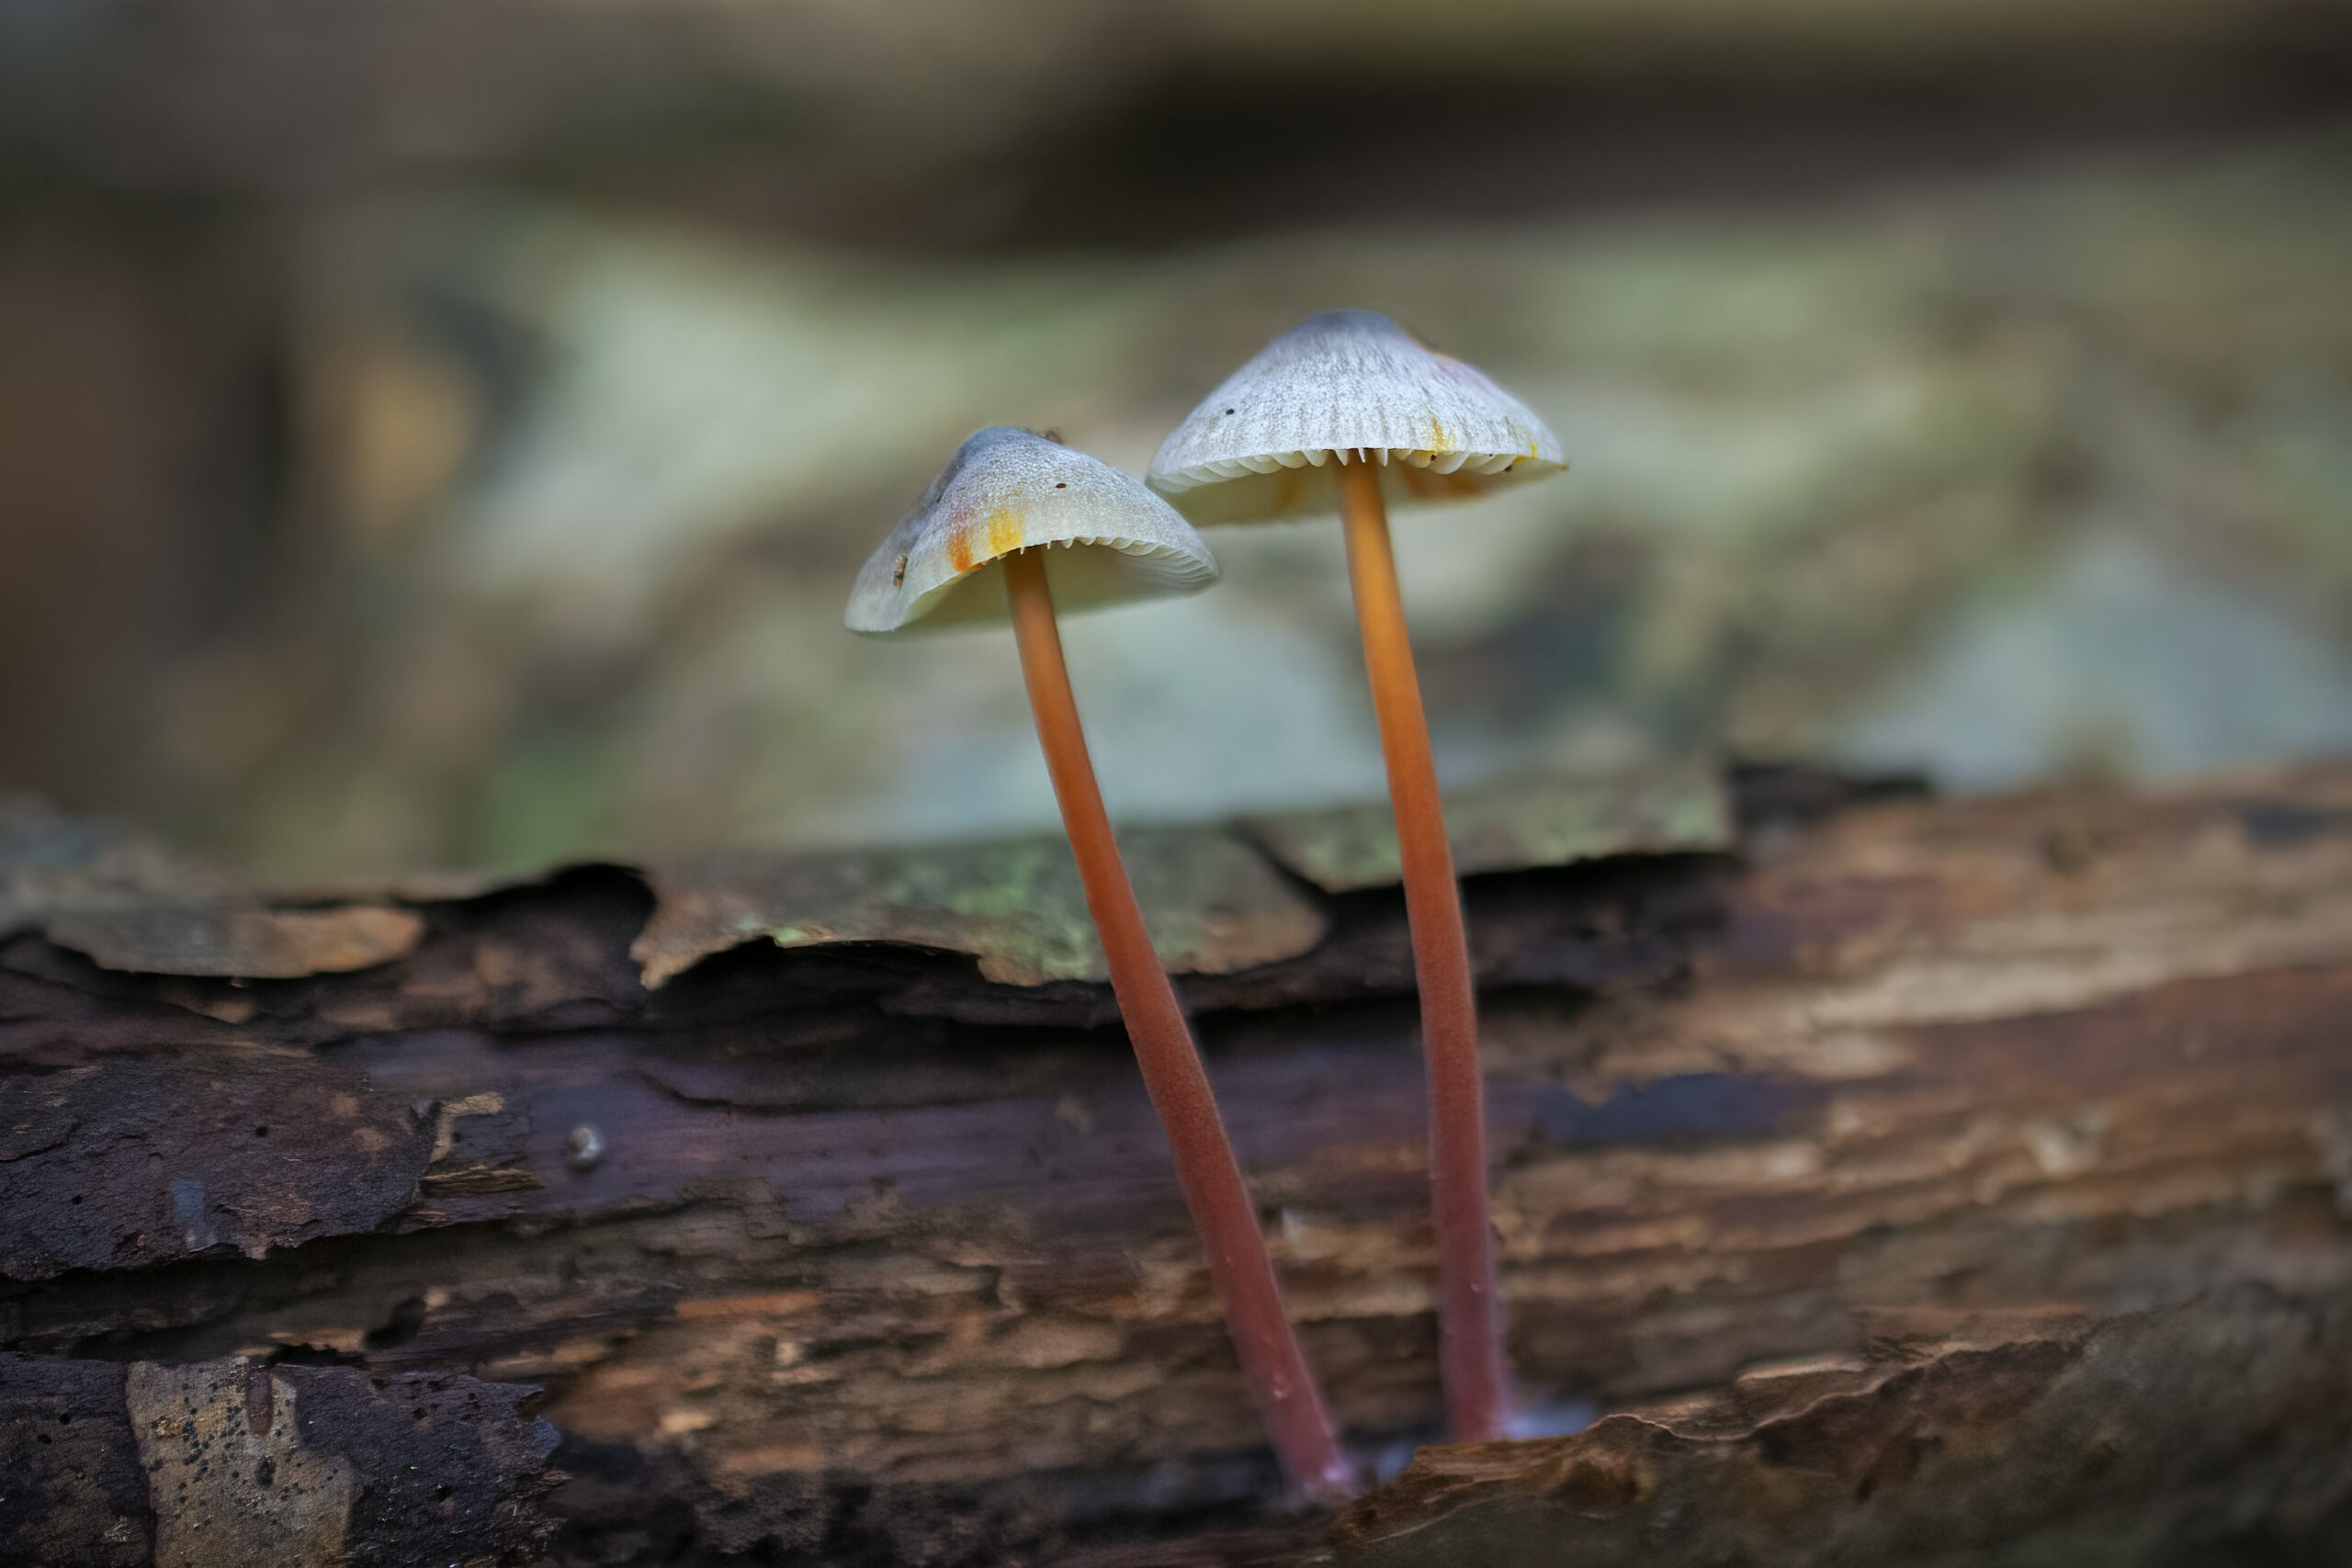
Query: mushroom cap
{"x": 1348, "y": 386}
{"x": 1009, "y": 489}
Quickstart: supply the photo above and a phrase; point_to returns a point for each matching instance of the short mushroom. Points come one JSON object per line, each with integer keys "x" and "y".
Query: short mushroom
{"x": 1321, "y": 417}
{"x": 1015, "y": 525}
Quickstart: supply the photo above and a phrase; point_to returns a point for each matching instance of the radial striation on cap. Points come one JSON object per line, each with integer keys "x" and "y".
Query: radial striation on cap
{"x": 1348, "y": 387}
{"x": 1009, "y": 489}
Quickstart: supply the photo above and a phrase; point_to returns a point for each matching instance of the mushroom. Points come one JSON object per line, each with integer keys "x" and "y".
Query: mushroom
{"x": 1016, "y": 525}
{"x": 1322, "y": 415}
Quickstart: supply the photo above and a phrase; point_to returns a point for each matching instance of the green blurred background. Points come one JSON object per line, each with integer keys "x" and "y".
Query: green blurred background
{"x": 443, "y": 433}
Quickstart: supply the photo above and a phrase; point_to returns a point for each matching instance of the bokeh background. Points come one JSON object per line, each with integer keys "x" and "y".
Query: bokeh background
{"x": 443, "y": 432}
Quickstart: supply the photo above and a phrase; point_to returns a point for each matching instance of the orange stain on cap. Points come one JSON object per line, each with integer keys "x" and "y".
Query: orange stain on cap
{"x": 998, "y": 534}
{"x": 959, "y": 541}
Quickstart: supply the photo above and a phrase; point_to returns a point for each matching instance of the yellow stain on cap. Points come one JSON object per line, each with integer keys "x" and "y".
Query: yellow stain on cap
{"x": 1006, "y": 490}
{"x": 1006, "y": 531}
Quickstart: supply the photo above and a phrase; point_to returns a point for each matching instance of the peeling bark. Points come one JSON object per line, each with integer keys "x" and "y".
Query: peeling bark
{"x": 847, "y": 1250}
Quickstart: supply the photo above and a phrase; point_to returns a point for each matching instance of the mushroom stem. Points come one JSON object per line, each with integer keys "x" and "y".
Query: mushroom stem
{"x": 1206, "y": 1170}
{"x": 1470, "y": 1355}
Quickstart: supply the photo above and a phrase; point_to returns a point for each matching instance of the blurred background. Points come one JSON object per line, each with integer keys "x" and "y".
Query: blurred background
{"x": 443, "y": 432}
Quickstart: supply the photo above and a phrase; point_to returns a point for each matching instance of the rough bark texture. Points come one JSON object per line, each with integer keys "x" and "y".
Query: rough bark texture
{"x": 2215, "y": 1431}
{"x": 844, "y": 1252}
{"x": 229, "y": 1463}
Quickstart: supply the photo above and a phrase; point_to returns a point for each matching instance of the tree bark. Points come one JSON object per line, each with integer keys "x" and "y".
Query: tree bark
{"x": 1898, "y": 1145}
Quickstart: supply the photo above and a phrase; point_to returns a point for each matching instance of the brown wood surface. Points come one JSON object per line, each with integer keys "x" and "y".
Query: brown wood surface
{"x": 846, "y": 1254}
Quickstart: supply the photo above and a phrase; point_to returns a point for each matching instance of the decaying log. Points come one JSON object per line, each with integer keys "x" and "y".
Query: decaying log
{"x": 227, "y": 1464}
{"x": 818, "y": 1200}
{"x": 2219, "y": 1430}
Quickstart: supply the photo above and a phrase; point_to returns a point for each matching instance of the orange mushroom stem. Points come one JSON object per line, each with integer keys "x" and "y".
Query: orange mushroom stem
{"x": 1470, "y": 1355}
{"x": 1208, "y": 1174}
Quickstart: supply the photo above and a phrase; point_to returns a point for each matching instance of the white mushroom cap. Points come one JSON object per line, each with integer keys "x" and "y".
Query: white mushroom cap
{"x": 1342, "y": 387}
{"x": 1008, "y": 490}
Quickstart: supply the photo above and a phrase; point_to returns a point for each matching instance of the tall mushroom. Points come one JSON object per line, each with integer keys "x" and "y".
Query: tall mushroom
{"x": 1325, "y": 414}
{"x": 1015, "y": 524}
